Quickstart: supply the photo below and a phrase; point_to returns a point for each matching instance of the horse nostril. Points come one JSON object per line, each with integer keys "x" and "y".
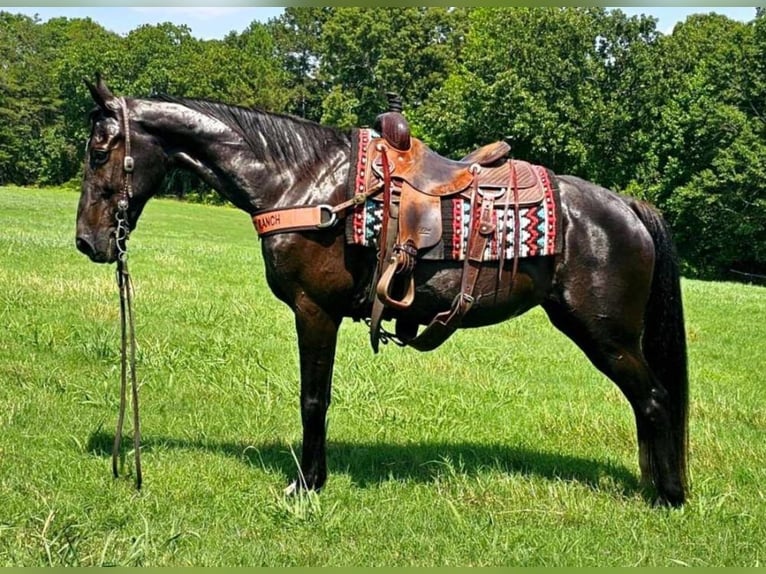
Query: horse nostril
{"x": 84, "y": 246}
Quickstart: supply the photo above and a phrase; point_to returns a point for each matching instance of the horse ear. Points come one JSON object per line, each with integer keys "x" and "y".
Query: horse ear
{"x": 100, "y": 93}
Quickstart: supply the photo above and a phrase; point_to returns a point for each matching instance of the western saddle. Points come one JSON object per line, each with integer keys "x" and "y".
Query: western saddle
{"x": 415, "y": 179}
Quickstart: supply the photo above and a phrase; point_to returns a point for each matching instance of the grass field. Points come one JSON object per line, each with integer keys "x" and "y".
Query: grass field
{"x": 516, "y": 454}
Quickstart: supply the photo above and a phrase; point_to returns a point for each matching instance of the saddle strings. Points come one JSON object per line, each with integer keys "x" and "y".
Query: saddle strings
{"x": 514, "y": 188}
{"x": 516, "y": 224}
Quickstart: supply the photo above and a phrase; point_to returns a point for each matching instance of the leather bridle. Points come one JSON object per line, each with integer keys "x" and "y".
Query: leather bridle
{"x": 127, "y": 323}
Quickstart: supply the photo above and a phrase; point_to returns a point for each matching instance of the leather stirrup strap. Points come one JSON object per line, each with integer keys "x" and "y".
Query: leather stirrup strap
{"x": 387, "y": 201}
{"x": 385, "y": 247}
{"x": 513, "y": 185}
{"x": 447, "y": 322}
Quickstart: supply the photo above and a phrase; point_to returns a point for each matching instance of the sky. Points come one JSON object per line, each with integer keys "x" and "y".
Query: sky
{"x": 215, "y": 22}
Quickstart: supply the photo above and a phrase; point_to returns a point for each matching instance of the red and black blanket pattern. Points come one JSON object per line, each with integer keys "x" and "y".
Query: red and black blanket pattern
{"x": 540, "y": 224}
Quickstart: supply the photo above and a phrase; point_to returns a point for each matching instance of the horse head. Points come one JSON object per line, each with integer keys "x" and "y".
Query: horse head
{"x": 123, "y": 166}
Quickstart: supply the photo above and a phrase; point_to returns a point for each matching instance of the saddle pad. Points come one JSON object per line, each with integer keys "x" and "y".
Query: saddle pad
{"x": 540, "y": 226}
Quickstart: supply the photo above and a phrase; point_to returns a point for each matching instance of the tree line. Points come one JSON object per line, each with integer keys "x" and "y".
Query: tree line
{"x": 677, "y": 119}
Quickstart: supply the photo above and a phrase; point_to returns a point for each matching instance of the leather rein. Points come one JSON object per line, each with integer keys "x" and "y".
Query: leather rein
{"x": 127, "y": 322}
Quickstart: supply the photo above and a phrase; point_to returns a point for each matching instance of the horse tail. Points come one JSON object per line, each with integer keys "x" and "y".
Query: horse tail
{"x": 664, "y": 337}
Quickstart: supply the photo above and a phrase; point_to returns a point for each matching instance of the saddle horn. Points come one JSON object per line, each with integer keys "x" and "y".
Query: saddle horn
{"x": 392, "y": 125}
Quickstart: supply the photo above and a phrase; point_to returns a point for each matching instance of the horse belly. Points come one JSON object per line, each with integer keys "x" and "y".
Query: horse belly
{"x": 497, "y": 298}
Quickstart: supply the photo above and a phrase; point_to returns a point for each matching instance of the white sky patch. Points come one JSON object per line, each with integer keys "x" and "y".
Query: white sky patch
{"x": 197, "y": 12}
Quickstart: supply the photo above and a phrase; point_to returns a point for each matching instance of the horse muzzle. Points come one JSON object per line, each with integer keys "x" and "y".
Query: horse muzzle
{"x": 97, "y": 251}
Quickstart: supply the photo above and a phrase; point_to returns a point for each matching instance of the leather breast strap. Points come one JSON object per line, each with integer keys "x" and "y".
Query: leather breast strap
{"x": 310, "y": 218}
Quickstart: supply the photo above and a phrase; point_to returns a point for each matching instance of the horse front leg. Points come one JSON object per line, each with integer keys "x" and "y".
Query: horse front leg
{"x": 317, "y": 337}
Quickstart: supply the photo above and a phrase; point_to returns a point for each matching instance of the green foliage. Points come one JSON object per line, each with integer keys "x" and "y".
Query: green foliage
{"x": 505, "y": 447}
{"x": 27, "y": 102}
{"x": 530, "y": 76}
{"x": 297, "y": 36}
{"x": 727, "y": 201}
{"x": 708, "y": 147}
{"x": 366, "y": 52}
{"x": 677, "y": 119}
{"x": 247, "y": 72}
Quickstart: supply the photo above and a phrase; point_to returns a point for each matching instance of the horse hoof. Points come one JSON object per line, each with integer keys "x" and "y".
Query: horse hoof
{"x": 670, "y": 500}
{"x": 292, "y": 488}
{"x": 675, "y": 501}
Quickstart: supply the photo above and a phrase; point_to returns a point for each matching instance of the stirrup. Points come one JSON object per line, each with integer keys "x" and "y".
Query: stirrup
{"x": 383, "y": 290}
{"x": 401, "y": 262}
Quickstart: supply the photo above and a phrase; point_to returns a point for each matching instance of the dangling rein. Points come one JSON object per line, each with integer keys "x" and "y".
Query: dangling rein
{"x": 127, "y": 323}
{"x": 127, "y": 357}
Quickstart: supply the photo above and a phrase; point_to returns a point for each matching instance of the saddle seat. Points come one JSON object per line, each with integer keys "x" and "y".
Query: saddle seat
{"x": 413, "y": 161}
{"x": 434, "y": 175}
{"x": 425, "y": 170}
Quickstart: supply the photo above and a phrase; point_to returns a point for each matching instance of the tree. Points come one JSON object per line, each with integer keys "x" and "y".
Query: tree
{"x": 250, "y": 72}
{"x": 366, "y": 52}
{"x": 529, "y": 73}
{"x": 709, "y": 147}
{"x": 80, "y": 48}
{"x": 618, "y": 134}
{"x": 154, "y": 59}
{"x": 27, "y": 102}
{"x": 297, "y": 37}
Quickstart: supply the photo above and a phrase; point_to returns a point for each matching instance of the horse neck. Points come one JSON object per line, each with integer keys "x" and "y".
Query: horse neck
{"x": 254, "y": 159}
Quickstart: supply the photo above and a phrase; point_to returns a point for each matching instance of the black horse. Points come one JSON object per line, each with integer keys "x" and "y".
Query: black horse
{"x": 614, "y": 288}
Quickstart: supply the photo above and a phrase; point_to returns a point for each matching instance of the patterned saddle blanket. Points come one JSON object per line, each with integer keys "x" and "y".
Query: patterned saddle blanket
{"x": 539, "y": 229}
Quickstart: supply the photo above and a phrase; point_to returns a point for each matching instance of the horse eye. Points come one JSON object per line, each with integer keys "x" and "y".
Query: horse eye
{"x": 99, "y": 156}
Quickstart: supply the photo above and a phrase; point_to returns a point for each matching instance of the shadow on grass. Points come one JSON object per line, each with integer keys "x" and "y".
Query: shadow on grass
{"x": 370, "y": 463}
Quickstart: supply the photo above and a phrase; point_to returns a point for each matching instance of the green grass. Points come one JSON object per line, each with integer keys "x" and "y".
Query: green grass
{"x": 510, "y": 451}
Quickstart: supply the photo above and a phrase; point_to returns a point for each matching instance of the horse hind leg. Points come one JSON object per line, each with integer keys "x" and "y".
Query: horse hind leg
{"x": 617, "y": 353}
{"x": 659, "y": 462}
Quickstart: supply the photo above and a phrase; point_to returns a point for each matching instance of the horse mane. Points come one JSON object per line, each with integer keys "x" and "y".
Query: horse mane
{"x": 275, "y": 136}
